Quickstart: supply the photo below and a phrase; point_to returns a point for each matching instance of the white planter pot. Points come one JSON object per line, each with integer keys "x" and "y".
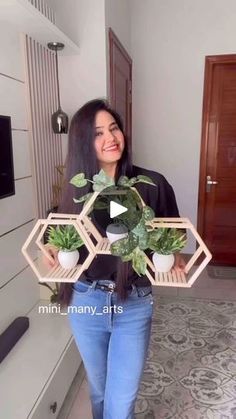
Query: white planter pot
{"x": 116, "y": 232}
{"x": 68, "y": 260}
{"x": 163, "y": 263}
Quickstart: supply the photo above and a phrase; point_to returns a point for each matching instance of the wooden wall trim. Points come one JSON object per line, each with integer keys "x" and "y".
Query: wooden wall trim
{"x": 114, "y": 40}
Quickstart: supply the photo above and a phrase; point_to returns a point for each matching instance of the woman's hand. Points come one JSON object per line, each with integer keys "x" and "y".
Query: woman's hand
{"x": 179, "y": 265}
{"x": 53, "y": 261}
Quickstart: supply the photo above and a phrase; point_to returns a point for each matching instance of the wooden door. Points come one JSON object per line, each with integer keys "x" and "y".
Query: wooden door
{"x": 121, "y": 81}
{"x": 217, "y": 200}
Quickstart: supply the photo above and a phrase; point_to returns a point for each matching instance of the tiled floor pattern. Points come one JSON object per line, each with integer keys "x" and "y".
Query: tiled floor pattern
{"x": 191, "y": 367}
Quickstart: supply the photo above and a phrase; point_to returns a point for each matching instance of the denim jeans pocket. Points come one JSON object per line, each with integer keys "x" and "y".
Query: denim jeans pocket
{"x": 82, "y": 288}
{"x": 144, "y": 291}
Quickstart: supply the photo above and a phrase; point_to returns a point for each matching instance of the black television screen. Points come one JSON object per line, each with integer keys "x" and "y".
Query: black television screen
{"x": 7, "y": 185}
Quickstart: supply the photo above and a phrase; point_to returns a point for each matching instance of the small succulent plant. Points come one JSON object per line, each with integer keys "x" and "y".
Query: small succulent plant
{"x": 166, "y": 241}
{"x": 64, "y": 238}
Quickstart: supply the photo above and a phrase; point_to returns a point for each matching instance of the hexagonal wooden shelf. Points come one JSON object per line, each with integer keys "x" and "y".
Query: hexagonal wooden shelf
{"x": 57, "y": 273}
{"x": 174, "y": 278}
{"x": 96, "y": 245}
{"x": 99, "y": 244}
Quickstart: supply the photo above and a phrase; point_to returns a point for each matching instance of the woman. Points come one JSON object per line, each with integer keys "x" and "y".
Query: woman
{"x": 113, "y": 322}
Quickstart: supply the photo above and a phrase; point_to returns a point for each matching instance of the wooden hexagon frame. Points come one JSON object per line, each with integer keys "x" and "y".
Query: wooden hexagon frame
{"x": 99, "y": 244}
{"x": 174, "y": 278}
{"x": 57, "y": 273}
{"x": 96, "y": 245}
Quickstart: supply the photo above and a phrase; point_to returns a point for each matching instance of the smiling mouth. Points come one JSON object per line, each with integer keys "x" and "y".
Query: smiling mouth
{"x": 114, "y": 147}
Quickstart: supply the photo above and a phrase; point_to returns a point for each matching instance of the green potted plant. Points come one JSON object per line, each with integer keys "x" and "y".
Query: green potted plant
{"x": 132, "y": 248}
{"x": 67, "y": 240}
{"x": 124, "y": 222}
{"x": 119, "y": 228}
{"x": 165, "y": 242}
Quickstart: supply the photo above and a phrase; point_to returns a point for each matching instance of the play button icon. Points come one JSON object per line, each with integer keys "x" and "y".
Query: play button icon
{"x": 117, "y": 205}
{"x": 116, "y": 209}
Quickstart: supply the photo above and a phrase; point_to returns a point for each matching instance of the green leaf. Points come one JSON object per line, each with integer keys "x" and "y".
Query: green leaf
{"x": 124, "y": 247}
{"x": 83, "y": 198}
{"x": 98, "y": 187}
{"x": 148, "y": 213}
{"x": 101, "y": 203}
{"x": 143, "y": 241}
{"x": 101, "y": 181}
{"x": 123, "y": 181}
{"x": 79, "y": 180}
{"x": 66, "y": 238}
{"x": 139, "y": 262}
{"x": 127, "y": 258}
{"x": 140, "y": 229}
{"x": 166, "y": 240}
{"x": 132, "y": 181}
{"x": 145, "y": 179}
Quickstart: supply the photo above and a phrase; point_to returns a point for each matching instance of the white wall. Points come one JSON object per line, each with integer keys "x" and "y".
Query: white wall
{"x": 66, "y": 16}
{"x": 82, "y": 77}
{"x": 19, "y": 289}
{"x": 117, "y": 17}
{"x": 117, "y": 14}
{"x": 170, "y": 40}
{"x": 86, "y": 22}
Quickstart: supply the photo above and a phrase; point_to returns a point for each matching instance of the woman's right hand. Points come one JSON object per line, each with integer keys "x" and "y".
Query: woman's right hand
{"x": 53, "y": 261}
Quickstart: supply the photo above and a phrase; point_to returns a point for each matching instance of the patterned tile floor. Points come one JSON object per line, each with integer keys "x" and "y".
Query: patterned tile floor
{"x": 191, "y": 367}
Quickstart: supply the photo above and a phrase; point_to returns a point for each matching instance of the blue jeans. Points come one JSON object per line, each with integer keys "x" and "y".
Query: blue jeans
{"x": 113, "y": 339}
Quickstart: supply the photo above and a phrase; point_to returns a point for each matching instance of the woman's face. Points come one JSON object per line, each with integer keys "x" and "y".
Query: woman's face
{"x": 109, "y": 140}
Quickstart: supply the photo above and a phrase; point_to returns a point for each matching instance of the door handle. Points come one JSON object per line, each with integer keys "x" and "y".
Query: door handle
{"x": 209, "y": 183}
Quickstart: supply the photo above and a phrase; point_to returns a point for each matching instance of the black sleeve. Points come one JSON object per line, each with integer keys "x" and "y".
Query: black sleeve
{"x": 165, "y": 203}
{"x": 161, "y": 198}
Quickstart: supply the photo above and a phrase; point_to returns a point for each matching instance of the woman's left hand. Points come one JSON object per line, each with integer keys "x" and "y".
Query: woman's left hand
{"x": 179, "y": 264}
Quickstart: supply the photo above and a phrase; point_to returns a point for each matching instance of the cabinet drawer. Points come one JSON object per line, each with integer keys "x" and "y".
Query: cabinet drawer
{"x": 58, "y": 384}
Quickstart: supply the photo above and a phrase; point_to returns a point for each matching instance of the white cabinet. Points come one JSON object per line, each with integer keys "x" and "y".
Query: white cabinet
{"x": 39, "y": 370}
{"x": 50, "y": 402}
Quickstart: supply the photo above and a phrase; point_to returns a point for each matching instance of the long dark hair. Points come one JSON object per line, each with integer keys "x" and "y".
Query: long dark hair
{"x": 81, "y": 157}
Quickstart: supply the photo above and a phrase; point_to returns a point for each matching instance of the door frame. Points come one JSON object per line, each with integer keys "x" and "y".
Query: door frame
{"x": 210, "y": 62}
{"x": 114, "y": 40}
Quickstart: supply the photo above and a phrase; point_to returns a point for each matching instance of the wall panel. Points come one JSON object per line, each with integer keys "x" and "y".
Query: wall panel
{"x": 11, "y": 63}
{"x": 21, "y": 153}
{"x": 13, "y": 102}
{"x": 19, "y": 208}
{"x": 12, "y": 260}
{"x": 18, "y": 297}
